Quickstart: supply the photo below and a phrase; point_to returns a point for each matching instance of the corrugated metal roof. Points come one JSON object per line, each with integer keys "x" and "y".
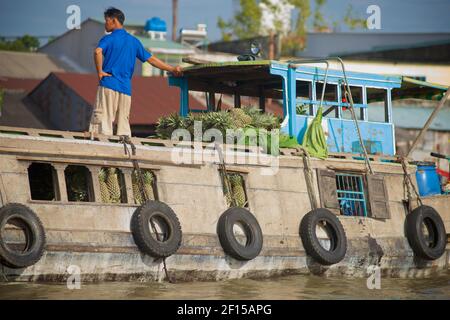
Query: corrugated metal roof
{"x": 29, "y": 65}
{"x": 151, "y": 96}
{"x": 165, "y": 46}
{"x": 13, "y": 84}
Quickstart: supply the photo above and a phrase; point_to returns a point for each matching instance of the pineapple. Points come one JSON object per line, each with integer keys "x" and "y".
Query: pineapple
{"x": 112, "y": 182}
{"x": 103, "y": 187}
{"x": 147, "y": 177}
{"x": 240, "y": 118}
{"x": 238, "y": 190}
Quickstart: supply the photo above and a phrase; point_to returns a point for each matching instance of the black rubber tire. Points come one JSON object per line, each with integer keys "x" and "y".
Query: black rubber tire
{"x": 25, "y": 218}
{"x": 253, "y": 232}
{"x": 140, "y": 228}
{"x": 416, "y": 239}
{"x": 335, "y": 230}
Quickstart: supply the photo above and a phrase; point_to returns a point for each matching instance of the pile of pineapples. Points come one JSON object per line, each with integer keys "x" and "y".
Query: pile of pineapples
{"x": 148, "y": 178}
{"x": 237, "y": 191}
{"x": 111, "y": 186}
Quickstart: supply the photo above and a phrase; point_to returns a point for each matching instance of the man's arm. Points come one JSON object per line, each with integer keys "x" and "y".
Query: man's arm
{"x": 154, "y": 61}
{"x": 98, "y": 59}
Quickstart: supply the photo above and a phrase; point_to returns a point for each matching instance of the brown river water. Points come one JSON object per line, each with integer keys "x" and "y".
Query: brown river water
{"x": 288, "y": 287}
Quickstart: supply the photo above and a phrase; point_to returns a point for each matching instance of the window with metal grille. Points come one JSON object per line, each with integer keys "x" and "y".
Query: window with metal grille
{"x": 351, "y": 194}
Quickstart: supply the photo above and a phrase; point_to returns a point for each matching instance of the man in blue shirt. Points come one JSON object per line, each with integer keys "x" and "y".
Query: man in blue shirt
{"x": 114, "y": 58}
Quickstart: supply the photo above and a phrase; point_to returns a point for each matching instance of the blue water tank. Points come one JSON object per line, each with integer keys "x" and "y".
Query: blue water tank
{"x": 155, "y": 24}
{"x": 427, "y": 179}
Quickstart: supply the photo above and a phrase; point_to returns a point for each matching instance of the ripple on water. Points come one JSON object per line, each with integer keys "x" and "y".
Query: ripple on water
{"x": 289, "y": 287}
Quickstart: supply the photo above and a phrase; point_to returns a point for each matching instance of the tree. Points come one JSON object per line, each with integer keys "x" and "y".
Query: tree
{"x": 24, "y": 43}
{"x": 245, "y": 24}
{"x": 319, "y": 23}
{"x": 354, "y": 22}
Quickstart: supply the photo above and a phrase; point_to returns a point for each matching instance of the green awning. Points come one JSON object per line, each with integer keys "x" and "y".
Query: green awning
{"x": 412, "y": 88}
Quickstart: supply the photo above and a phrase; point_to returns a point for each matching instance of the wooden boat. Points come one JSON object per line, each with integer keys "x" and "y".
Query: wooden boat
{"x": 343, "y": 215}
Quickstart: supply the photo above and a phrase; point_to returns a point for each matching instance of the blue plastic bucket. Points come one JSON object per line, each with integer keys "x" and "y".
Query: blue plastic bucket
{"x": 427, "y": 179}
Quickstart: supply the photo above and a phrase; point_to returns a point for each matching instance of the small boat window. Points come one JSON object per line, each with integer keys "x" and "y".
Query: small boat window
{"x": 330, "y": 100}
{"x": 304, "y": 104}
{"x": 351, "y": 194}
{"x": 112, "y": 185}
{"x": 357, "y": 96}
{"x": 43, "y": 181}
{"x": 237, "y": 193}
{"x": 149, "y": 180}
{"x": 79, "y": 184}
{"x": 377, "y": 105}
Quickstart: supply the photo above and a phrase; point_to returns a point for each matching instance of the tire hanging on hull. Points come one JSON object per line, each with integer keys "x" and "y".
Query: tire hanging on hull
{"x": 168, "y": 239}
{"x": 253, "y": 234}
{"x": 334, "y": 230}
{"x": 23, "y": 218}
{"x": 429, "y": 246}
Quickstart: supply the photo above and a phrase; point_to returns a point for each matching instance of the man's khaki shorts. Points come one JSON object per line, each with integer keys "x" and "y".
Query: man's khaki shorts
{"x": 111, "y": 106}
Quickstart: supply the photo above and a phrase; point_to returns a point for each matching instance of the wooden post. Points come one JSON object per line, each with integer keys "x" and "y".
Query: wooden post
{"x": 237, "y": 100}
{"x": 62, "y": 188}
{"x": 262, "y": 99}
{"x": 174, "y": 19}
{"x": 429, "y": 121}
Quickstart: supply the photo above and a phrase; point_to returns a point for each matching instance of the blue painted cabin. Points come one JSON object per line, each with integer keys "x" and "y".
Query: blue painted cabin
{"x": 298, "y": 88}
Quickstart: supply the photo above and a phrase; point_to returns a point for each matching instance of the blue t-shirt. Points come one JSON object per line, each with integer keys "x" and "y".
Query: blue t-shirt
{"x": 120, "y": 50}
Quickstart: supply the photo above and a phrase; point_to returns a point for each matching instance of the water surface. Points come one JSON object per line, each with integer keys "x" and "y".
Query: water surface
{"x": 288, "y": 287}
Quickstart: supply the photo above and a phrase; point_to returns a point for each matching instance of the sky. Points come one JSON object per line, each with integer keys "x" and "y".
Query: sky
{"x": 48, "y": 17}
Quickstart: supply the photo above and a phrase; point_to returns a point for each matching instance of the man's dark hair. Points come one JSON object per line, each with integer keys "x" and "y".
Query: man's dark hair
{"x": 112, "y": 13}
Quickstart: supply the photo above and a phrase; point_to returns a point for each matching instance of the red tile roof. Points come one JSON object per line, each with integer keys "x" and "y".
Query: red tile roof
{"x": 16, "y": 84}
{"x": 151, "y": 96}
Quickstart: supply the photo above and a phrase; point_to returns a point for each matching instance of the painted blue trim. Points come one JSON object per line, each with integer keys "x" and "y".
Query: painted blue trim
{"x": 291, "y": 103}
{"x": 331, "y": 103}
{"x": 182, "y": 83}
{"x": 354, "y": 78}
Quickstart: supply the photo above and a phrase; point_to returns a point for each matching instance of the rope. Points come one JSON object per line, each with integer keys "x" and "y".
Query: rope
{"x": 224, "y": 174}
{"x": 127, "y": 141}
{"x": 308, "y": 175}
{"x": 408, "y": 185}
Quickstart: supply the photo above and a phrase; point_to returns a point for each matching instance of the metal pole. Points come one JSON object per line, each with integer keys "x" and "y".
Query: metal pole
{"x": 428, "y": 123}
{"x": 174, "y": 19}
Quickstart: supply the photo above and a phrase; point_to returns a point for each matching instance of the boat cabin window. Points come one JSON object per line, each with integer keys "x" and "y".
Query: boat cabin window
{"x": 330, "y": 100}
{"x": 43, "y": 181}
{"x": 357, "y": 96}
{"x": 377, "y": 100}
{"x": 79, "y": 184}
{"x": 351, "y": 194}
{"x": 112, "y": 185}
{"x": 149, "y": 180}
{"x": 304, "y": 104}
{"x": 237, "y": 196}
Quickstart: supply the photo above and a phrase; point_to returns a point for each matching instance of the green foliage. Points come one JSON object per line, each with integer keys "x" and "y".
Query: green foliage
{"x": 245, "y": 24}
{"x": 319, "y": 23}
{"x": 25, "y": 43}
{"x": 166, "y": 125}
{"x": 296, "y": 39}
{"x": 301, "y": 109}
{"x": 287, "y": 142}
{"x": 354, "y": 22}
